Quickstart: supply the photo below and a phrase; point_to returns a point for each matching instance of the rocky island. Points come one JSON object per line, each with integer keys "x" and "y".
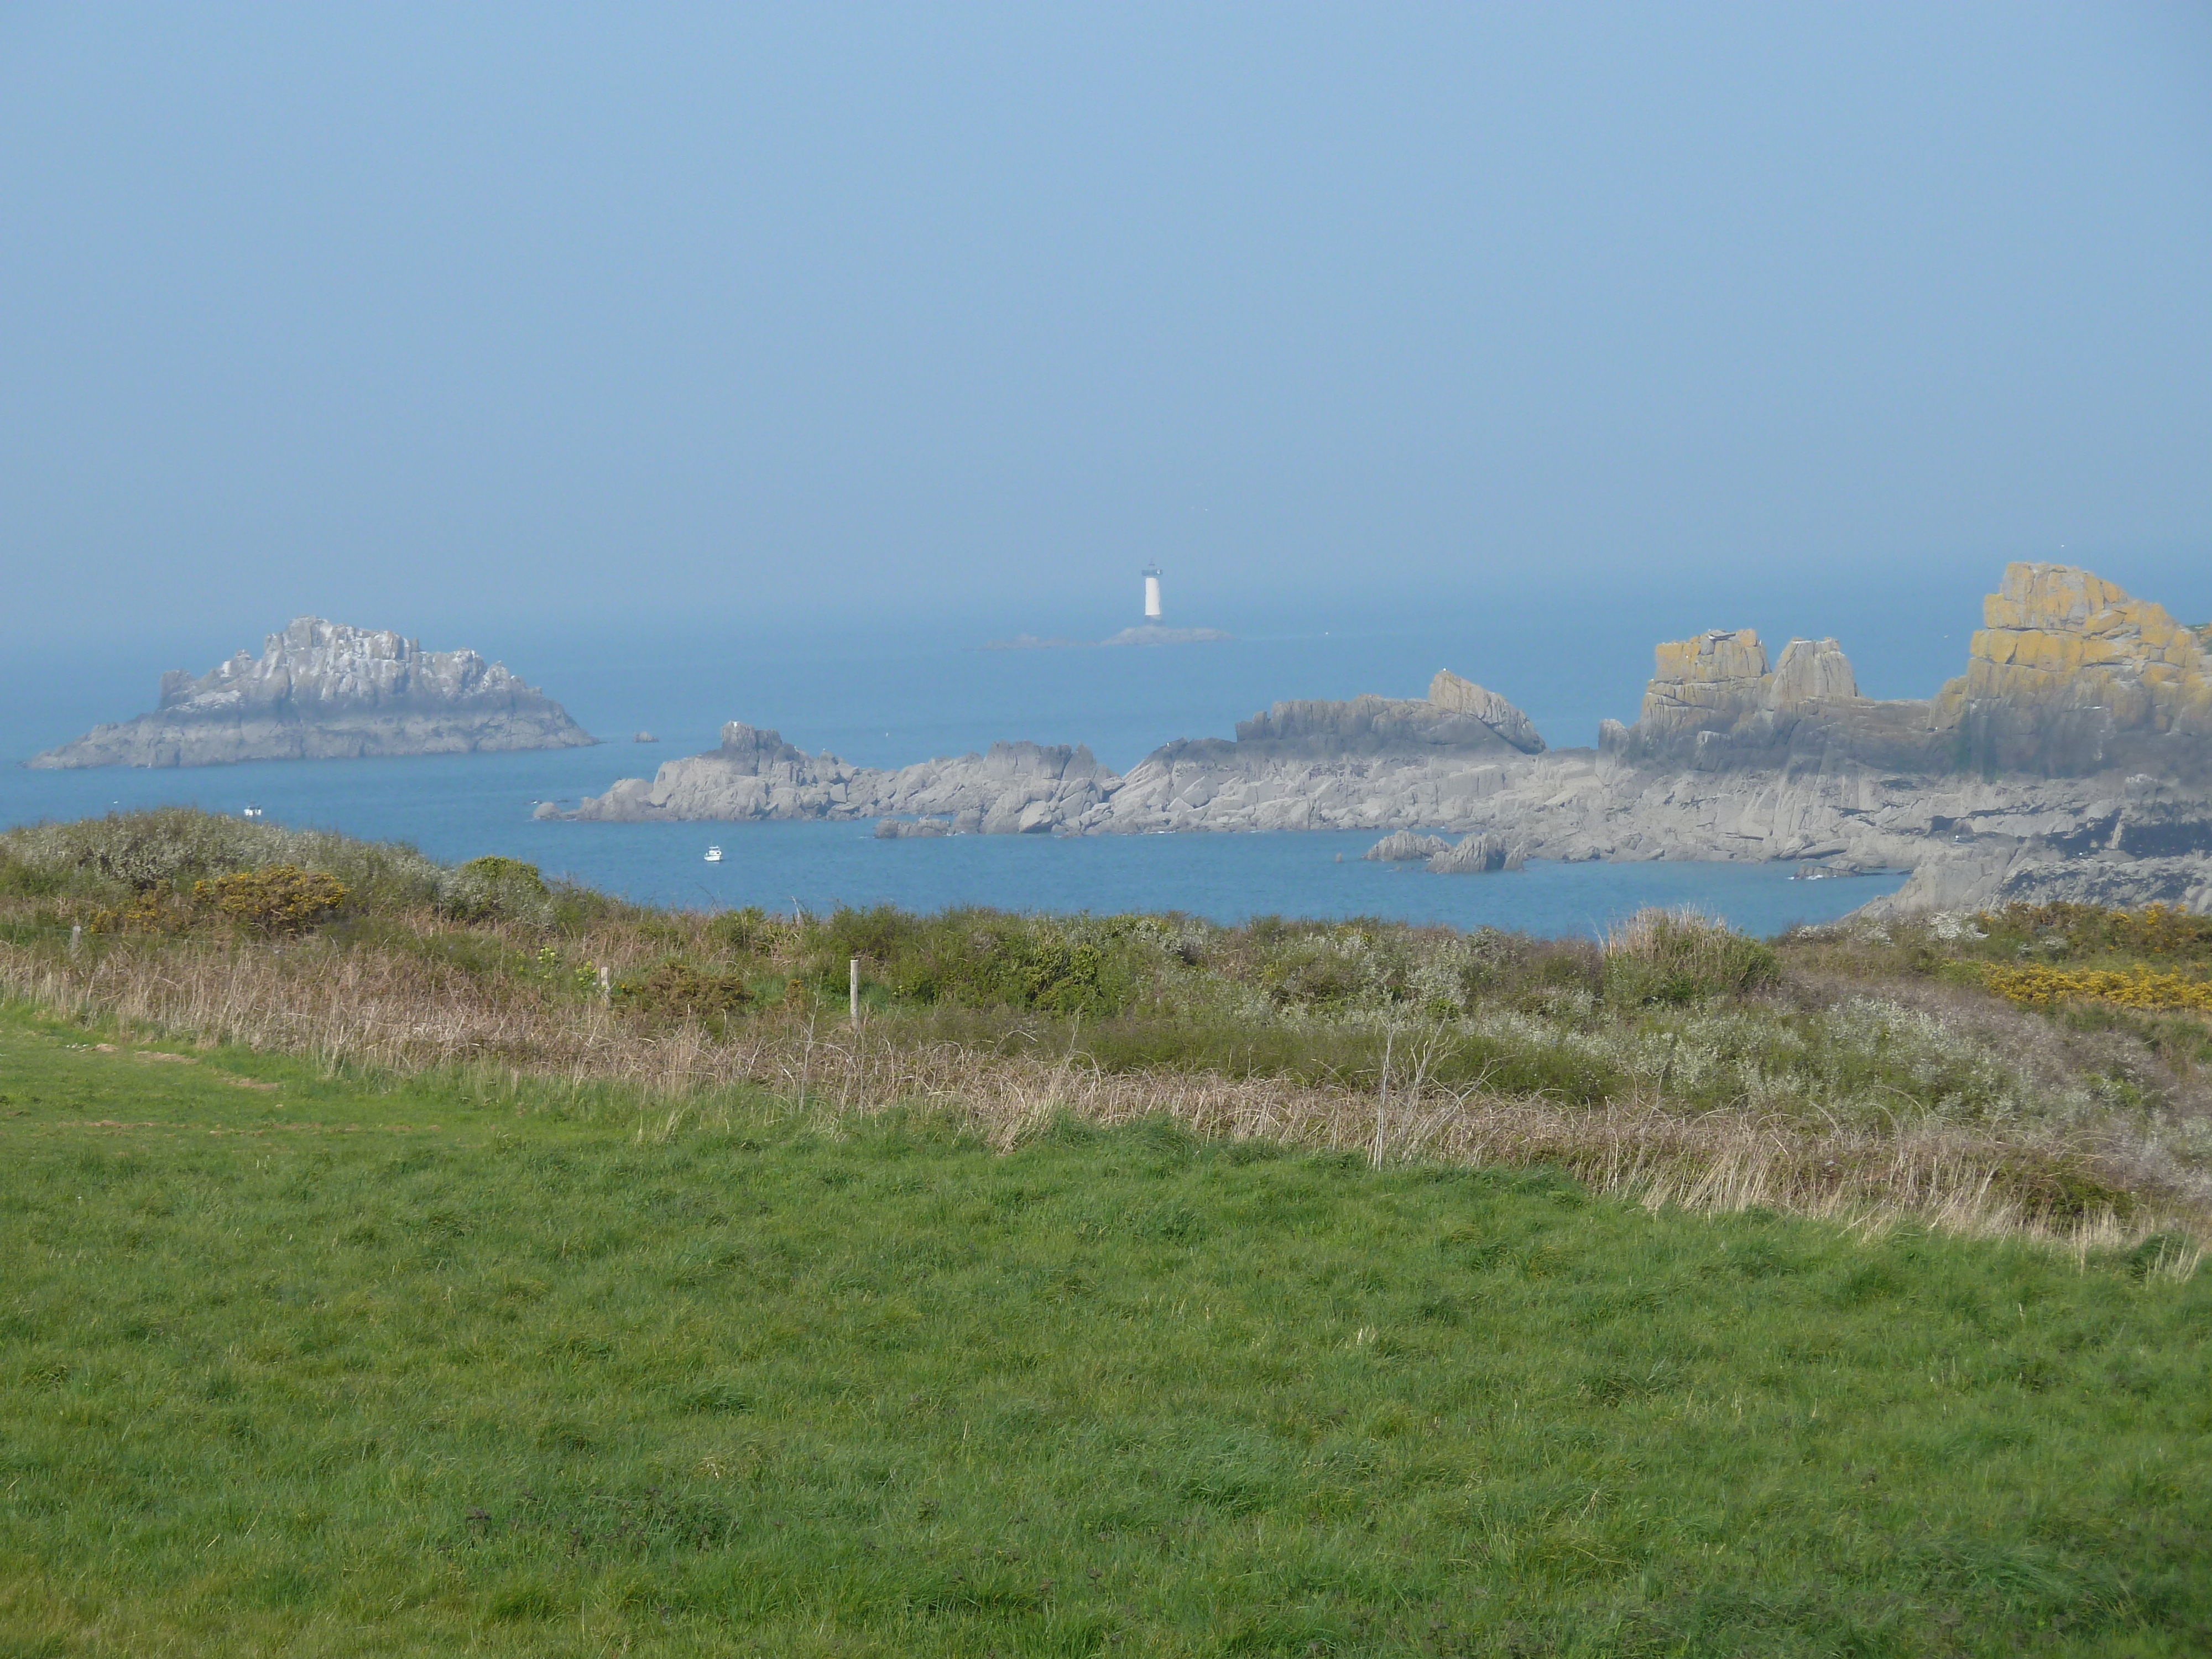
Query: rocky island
{"x": 2073, "y": 759}
{"x": 322, "y": 691}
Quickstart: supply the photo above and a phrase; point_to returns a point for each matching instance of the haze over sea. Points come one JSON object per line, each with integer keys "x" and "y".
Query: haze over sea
{"x": 884, "y": 699}
{"x": 762, "y": 364}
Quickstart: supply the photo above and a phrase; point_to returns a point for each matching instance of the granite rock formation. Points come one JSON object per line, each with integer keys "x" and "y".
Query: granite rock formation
{"x": 1449, "y": 692}
{"x": 1015, "y": 788}
{"x": 2069, "y": 676}
{"x": 1713, "y": 703}
{"x": 1476, "y": 856}
{"x": 322, "y": 691}
{"x": 1405, "y": 847}
{"x": 2073, "y": 759}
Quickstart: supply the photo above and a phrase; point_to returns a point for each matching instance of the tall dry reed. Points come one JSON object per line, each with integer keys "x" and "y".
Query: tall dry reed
{"x": 388, "y": 1011}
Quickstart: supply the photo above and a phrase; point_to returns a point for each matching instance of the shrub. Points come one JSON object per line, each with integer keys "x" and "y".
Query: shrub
{"x": 2086, "y": 930}
{"x": 281, "y": 899}
{"x": 677, "y": 990}
{"x": 156, "y": 910}
{"x": 751, "y": 931}
{"x": 2037, "y": 986}
{"x": 987, "y": 958}
{"x": 172, "y": 847}
{"x": 492, "y": 887}
{"x": 1313, "y": 976}
{"x": 1681, "y": 956}
{"x": 141, "y": 851}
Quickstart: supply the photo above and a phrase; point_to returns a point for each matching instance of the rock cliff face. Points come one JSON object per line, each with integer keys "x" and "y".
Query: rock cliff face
{"x": 322, "y": 691}
{"x": 1448, "y": 691}
{"x": 1713, "y": 703}
{"x": 2070, "y": 675}
{"x": 2071, "y": 760}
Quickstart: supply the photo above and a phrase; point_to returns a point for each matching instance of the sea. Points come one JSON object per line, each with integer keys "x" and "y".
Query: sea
{"x": 891, "y": 700}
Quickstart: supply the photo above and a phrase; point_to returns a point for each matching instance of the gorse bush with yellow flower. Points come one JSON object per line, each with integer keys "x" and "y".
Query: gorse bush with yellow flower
{"x": 2038, "y": 986}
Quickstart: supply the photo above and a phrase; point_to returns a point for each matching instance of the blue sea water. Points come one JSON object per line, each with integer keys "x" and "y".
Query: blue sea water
{"x": 888, "y": 702}
{"x": 459, "y": 806}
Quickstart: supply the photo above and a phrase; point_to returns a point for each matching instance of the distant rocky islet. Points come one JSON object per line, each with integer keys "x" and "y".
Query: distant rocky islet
{"x": 322, "y": 691}
{"x": 2073, "y": 759}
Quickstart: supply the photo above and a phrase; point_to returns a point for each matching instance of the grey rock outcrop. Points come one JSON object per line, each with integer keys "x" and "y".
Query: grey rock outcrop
{"x": 2009, "y": 784}
{"x": 1406, "y": 847}
{"x": 1713, "y": 703}
{"x": 2069, "y": 675}
{"x": 2148, "y": 841}
{"x": 1448, "y": 691}
{"x": 323, "y": 690}
{"x": 1266, "y": 779}
{"x": 1013, "y": 789}
{"x": 1476, "y": 856}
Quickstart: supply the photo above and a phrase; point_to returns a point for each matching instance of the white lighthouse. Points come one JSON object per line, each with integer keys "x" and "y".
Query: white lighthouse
{"x": 1152, "y": 595}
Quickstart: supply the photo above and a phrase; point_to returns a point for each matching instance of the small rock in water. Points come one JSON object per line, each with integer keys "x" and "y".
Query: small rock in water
{"x": 1476, "y": 856}
{"x": 1406, "y": 847}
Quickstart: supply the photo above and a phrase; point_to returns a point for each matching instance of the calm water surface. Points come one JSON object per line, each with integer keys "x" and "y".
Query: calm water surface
{"x": 461, "y": 806}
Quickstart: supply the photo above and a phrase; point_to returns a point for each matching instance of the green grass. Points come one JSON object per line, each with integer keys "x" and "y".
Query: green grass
{"x": 319, "y": 1368}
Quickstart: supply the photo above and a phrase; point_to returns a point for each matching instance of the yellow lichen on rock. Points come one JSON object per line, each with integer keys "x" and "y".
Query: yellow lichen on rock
{"x": 1722, "y": 674}
{"x": 1720, "y": 677}
{"x": 2060, "y": 639}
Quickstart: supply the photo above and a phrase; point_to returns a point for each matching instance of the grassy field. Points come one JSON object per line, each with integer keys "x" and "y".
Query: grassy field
{"x": 2045, "y": 1072}
{"x": 472, "y": 1362}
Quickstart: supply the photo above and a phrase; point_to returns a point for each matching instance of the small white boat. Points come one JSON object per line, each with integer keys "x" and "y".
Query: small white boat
{"x": 251, "y": 811}
{"x": 714, "y": 855}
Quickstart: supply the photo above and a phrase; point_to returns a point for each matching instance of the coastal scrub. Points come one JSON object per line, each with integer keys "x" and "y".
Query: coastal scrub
{"x": 1858, "y": 1070}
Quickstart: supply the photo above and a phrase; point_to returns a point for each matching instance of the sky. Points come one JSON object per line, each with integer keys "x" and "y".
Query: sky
{"x": 525, "y": 324}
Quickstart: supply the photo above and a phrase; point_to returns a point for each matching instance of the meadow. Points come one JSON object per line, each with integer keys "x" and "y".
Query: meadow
{"x": 295, "y": 1365}
{"x": 412, "y": 1259}
{"x": 2038, "y": 1071}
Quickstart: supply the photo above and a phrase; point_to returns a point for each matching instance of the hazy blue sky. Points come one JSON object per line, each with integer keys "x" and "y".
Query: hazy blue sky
{"x": 542, "y": 318}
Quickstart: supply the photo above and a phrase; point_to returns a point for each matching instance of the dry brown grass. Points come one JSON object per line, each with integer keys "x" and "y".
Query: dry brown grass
{"x": 390, "y": 1010}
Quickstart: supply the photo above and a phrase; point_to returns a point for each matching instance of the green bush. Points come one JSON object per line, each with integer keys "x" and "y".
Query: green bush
{"x": 2066, "y": 931}
{"x": 676, "y": 990}
{"x": 987, "y": 958}
{"x": 281, "y": 899}
{"x": 107, "y": 859}
{"x": 751, "y": 931}
{"x": 494, "y": 887}
{"x": 1680, "y": 956}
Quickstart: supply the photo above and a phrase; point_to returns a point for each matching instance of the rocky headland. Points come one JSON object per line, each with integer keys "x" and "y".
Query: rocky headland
{"x": 322, "y": 691}
{"x": 2073, "y": 759}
